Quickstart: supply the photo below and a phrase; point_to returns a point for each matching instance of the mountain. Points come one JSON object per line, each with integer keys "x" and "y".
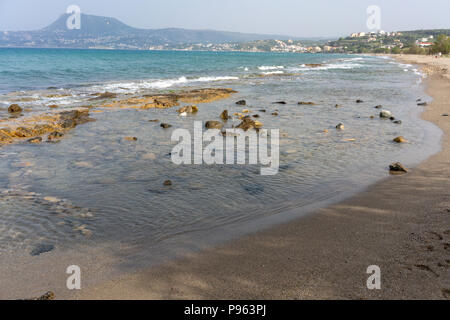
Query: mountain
{"x": 105, "y": 32}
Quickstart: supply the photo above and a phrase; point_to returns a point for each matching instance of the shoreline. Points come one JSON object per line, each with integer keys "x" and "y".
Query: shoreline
{"x": 401, "y": 224}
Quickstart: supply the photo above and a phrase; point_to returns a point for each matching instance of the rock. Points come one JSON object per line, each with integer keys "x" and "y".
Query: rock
{"x": 400, "y": 140}
{"x": 53, "y": 106}
{"x": 280, "y": 102}
{"x": 338, "y": 106}
{"x": 445, "y": 115}
{"x": 385, "y": 114}
{"x": 379, "y": 107}
{"x": 35, "y": 140}
{"x": 313, "y": 65}
{"x": 306, "y": 103}
{"x": 49, "y": 295}
{"x": 167, "y": 183}
{"x": 241, "y": 102}
{"x": 165, "y": 125}
{"x": 72, "y": 118}
{"x": 340, "y": 126}
{"x": 154, "y": 120}
{"x": 14, "y": 108}
{"x": 188, "y": 109}
{"x": 224, "y": 115}
{"x": 359, "y": 101}
{"x": 274, "y": 113}
{"x": 423, "y": 104}
{"x": 392, "y": 118}
{"x": 105, "y": 95}
{"x": 245, "y": 111}
{"x": 262, "y": 110}
{"x": 397, "y": 168}
{"x": 130, "y": 138}
{"x": 398, "y": 121}
{"x": 372, "y": 117}
{"x": 247, "y": 124}
{"x": 41, "y": 248}
{"x": 213, "y": 125}
{"x": 54, "y": 136}
{"x": 256, "y": 116}
{"x": 68, "y": 124}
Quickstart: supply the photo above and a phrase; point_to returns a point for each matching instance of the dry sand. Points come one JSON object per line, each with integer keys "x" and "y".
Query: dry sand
{"x": 401, "y": 224}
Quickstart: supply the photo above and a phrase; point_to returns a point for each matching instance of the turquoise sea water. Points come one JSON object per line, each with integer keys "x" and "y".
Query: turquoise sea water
{"x": 93, "y": 180}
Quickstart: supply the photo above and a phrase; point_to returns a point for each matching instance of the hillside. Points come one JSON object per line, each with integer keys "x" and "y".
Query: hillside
{"x": 108, "y": 32}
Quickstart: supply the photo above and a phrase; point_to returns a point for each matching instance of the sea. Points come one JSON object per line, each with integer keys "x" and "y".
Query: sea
{"x": 95, "y": 189}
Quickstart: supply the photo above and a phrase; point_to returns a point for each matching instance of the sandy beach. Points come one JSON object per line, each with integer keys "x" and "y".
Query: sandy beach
{"x": 401, "y": 224}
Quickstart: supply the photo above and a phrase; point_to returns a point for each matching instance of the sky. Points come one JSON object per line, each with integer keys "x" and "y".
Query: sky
{"x": 300, "y": 18}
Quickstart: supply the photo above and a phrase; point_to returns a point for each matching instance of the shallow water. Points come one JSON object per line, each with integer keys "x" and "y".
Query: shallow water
{"x": 94, "y": 187}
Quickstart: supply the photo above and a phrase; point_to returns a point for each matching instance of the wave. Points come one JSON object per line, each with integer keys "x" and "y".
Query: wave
{"x": 265, "y": 68}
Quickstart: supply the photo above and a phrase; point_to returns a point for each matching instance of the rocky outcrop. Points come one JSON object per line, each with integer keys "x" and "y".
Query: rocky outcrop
{"x": 37, "y": 126}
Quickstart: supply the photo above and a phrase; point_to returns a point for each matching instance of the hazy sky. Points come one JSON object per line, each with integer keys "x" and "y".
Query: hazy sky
{"x": 305, "y": 18}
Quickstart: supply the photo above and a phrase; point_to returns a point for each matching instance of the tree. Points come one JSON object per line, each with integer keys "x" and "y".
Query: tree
{"x": 395, "y": 50}
{"x": 442, "y": 45}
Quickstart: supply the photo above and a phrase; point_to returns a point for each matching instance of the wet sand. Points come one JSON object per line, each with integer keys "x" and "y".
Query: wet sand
{"x": 401, "y": 224}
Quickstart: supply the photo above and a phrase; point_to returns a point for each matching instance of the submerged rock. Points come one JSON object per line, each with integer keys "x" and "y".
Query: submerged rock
{"x": 14, "y": 108}
{"x": 379, "y": 107}
{"x": 241, "y": 103}
{"x": 167, "y": 183}
{"x": 340, "y": 126}
{"x": 41, "y": 248}
{"x": 247, "y": 124}
{"x": 188, "y": 109}
{"x": 53, "y": 106}
{"x": 398, "y": 121}
{"x": 397, "y": 168}
{"x": 280, "y": 102}
{"x": 423, "y": 104}
{"x": 274, "y": 113}
{"x": 130, "y": 138}
{"x": 359, "y": 101}
{"x": 213, "y": 125}
{"x": 306, "y": 103}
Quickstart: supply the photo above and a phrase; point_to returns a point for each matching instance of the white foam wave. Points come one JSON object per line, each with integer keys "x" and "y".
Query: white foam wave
{"x": 265, "y": 68}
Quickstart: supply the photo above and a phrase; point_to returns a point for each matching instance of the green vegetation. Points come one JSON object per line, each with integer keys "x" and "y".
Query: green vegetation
{"x": 441, "y": 45}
